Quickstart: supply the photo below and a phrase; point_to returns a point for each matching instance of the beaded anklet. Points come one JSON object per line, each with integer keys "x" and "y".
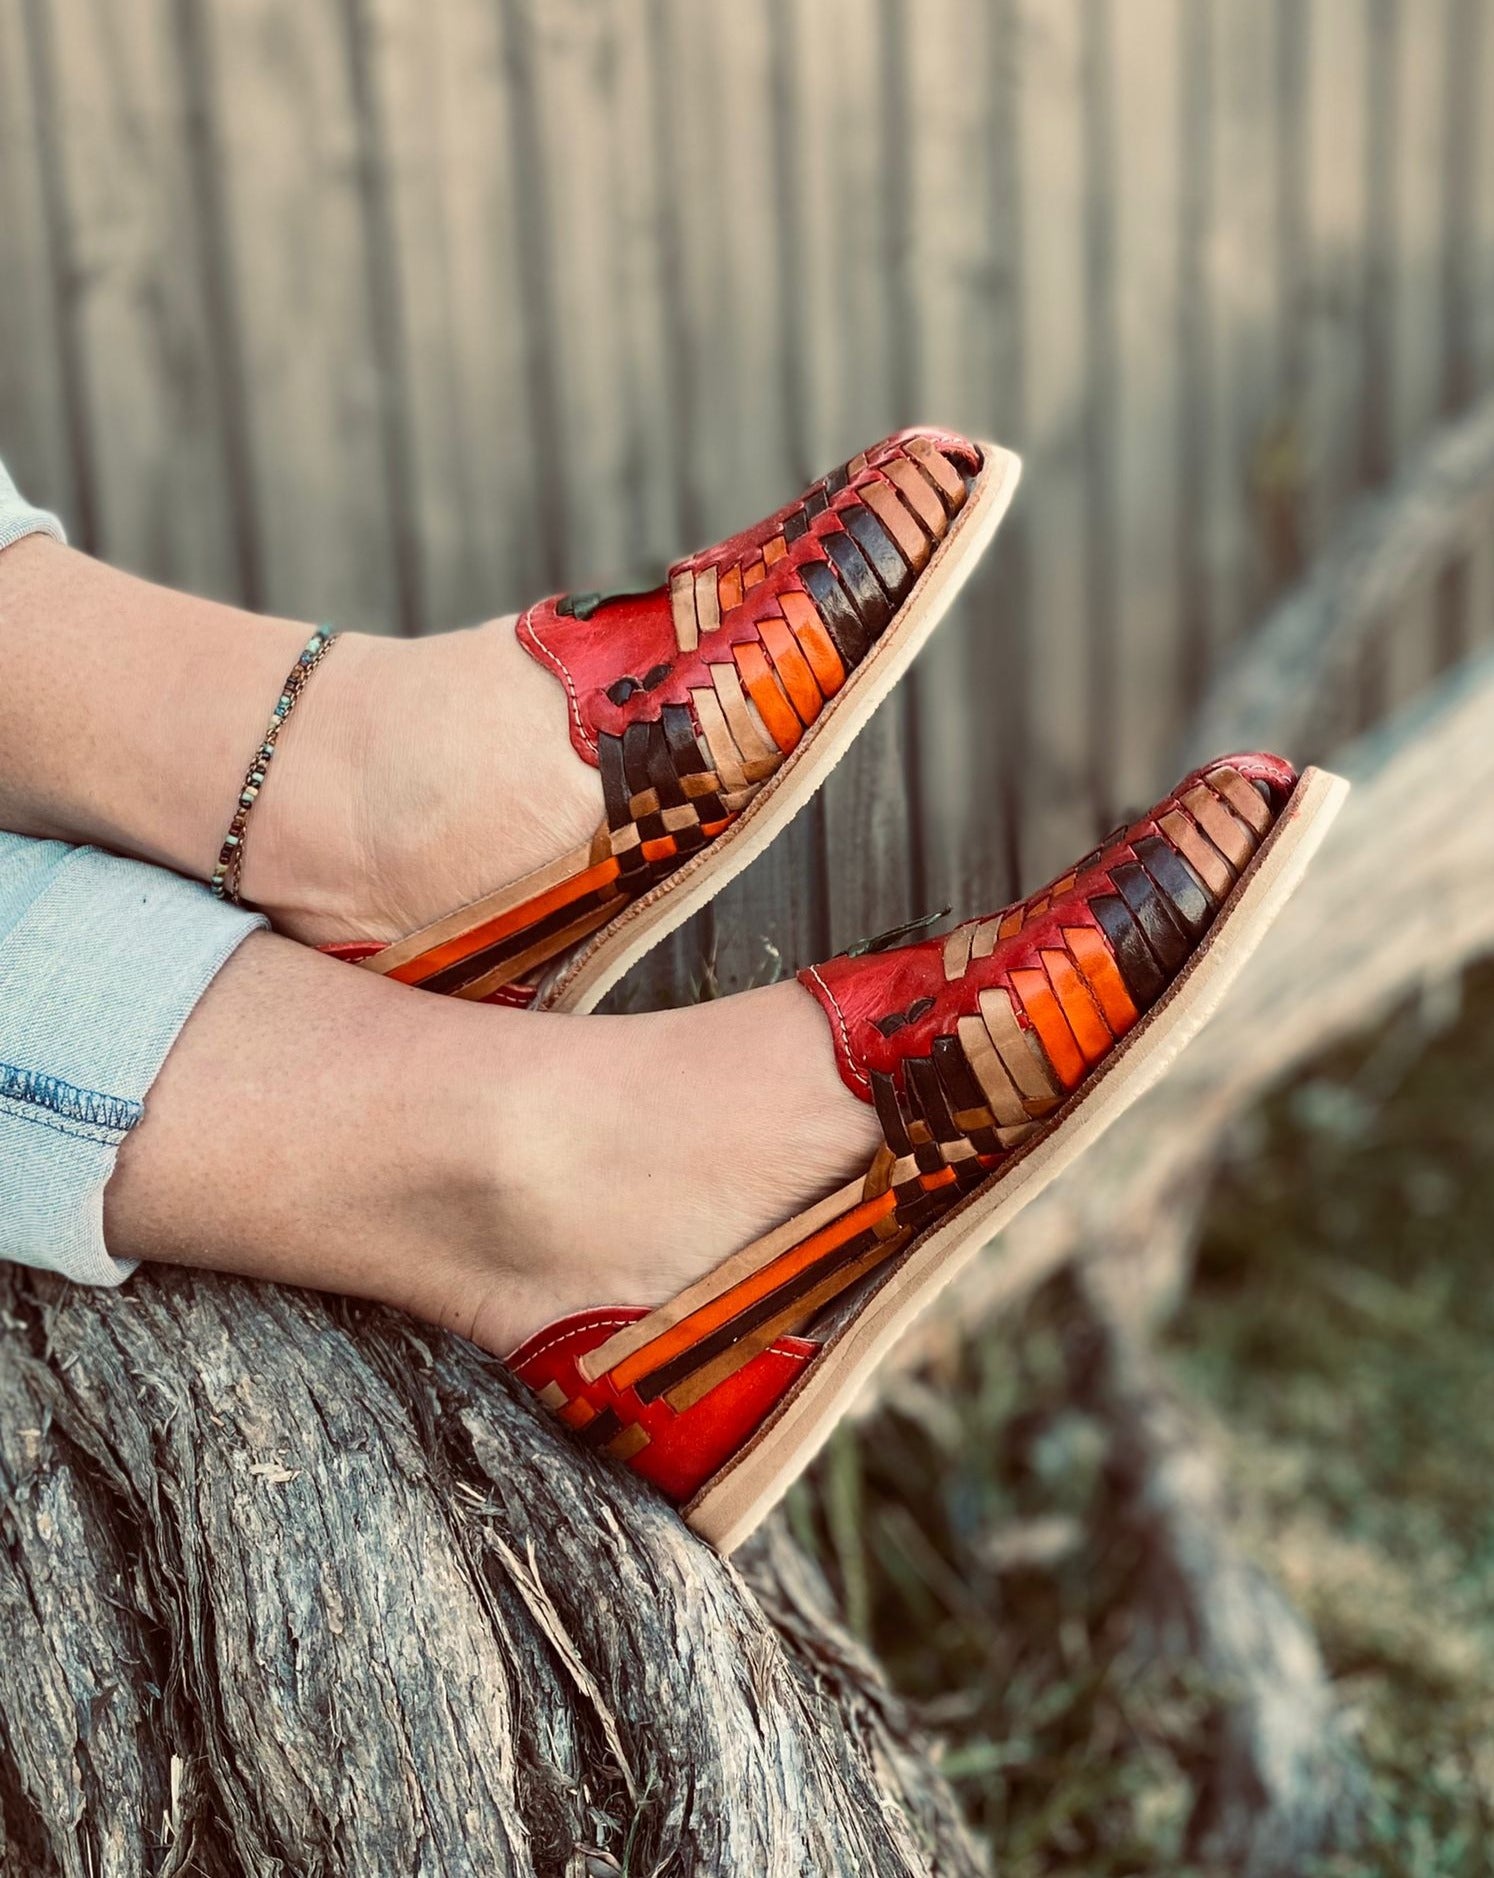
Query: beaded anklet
{"x": 227, "y": 873}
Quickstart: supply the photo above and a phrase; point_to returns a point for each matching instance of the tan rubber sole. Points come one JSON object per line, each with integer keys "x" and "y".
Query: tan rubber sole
{"x": 734, "y": 1502}
{"x": 650, "y": 919}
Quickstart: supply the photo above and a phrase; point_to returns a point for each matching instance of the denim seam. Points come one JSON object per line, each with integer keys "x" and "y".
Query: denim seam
{"x": 117, "y": 1114}
{"x": 74, "y": 1131}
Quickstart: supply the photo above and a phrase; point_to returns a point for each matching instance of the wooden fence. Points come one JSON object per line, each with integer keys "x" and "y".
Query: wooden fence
{"x": 400, "y": 312}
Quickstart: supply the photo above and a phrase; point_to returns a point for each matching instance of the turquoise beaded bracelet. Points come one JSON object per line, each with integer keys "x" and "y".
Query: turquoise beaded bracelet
{"x": 229, "y": 870}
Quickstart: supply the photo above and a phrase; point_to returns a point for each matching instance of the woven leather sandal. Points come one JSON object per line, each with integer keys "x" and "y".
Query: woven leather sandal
{"x": 993, "y": 1056}
{"x": 714, "y": 707}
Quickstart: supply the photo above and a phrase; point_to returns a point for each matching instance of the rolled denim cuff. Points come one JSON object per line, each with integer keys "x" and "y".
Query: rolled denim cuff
{"x": 19, "y": 519}
{"x": 101, "y": 963}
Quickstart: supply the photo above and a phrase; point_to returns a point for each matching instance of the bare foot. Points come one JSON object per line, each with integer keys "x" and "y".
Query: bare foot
{"x": 663, "y": 1144}
{"x": 487, "y": 1170}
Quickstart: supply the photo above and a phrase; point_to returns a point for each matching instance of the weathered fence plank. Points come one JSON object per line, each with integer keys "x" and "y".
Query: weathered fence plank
{"x": 1481, "y": 261}
{"x": 1459, "y": 264}
{"x": 1141, "y": 450}
{"x": 963, "y": 315}
{"x": 738, "y": 256}
{"x": 37, "y": 404}
{"x": 854, "y": 151}
{"x": 1411, "y": 635}
{"x": 281, "y": 97}
{"x": 653, "y": 307}
{"x": 1335, "y": 187}
{"x": 582, "y": 245}
{"x": 1244, "y": 473}
{"x": 1340, "y": 419}
{"x": 1058, "y": 809}
{"x": 1195, "y": 342}
{"x": 439, "y": 76}
{"x": 152, "y": 383}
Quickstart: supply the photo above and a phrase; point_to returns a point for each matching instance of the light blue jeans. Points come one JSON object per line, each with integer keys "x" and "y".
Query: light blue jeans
{"x": 101, "y": 962}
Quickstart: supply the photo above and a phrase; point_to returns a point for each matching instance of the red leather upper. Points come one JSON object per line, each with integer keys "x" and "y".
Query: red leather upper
{"x": 684, "y": 1448}
{"x": 862, "y": 994}
{"x": 633, "y": 635}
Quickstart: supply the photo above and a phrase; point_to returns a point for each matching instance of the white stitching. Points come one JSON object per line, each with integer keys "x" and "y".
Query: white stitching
{"x": 526, "y": 624}
{"x": 845, "y": 1035}
{"x": 606, "y": 1323}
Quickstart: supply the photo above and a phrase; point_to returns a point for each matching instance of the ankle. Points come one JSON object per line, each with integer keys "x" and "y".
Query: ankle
{"x": 632, "y": 1154}
{"x": 421, "y": 775}
{"x": 306, "y": 860}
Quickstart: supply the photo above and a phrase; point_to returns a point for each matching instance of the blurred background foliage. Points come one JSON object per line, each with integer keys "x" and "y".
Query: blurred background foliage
{"x": 1340, "y": 1341}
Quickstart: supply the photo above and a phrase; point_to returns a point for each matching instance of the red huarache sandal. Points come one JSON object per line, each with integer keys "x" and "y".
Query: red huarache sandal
{"x": 994, "y": 1056}
{"x": 714, "y": 707}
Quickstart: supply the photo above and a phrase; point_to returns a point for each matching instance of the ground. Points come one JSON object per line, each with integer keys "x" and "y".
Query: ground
{"x": 1338, "y": 1347}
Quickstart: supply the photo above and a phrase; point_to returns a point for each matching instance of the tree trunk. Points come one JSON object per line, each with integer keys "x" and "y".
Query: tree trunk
{"x": 290, "y": 1586}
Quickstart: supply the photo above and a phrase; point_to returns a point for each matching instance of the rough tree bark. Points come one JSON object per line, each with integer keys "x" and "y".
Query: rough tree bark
{"x": 291, "y": 1586}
